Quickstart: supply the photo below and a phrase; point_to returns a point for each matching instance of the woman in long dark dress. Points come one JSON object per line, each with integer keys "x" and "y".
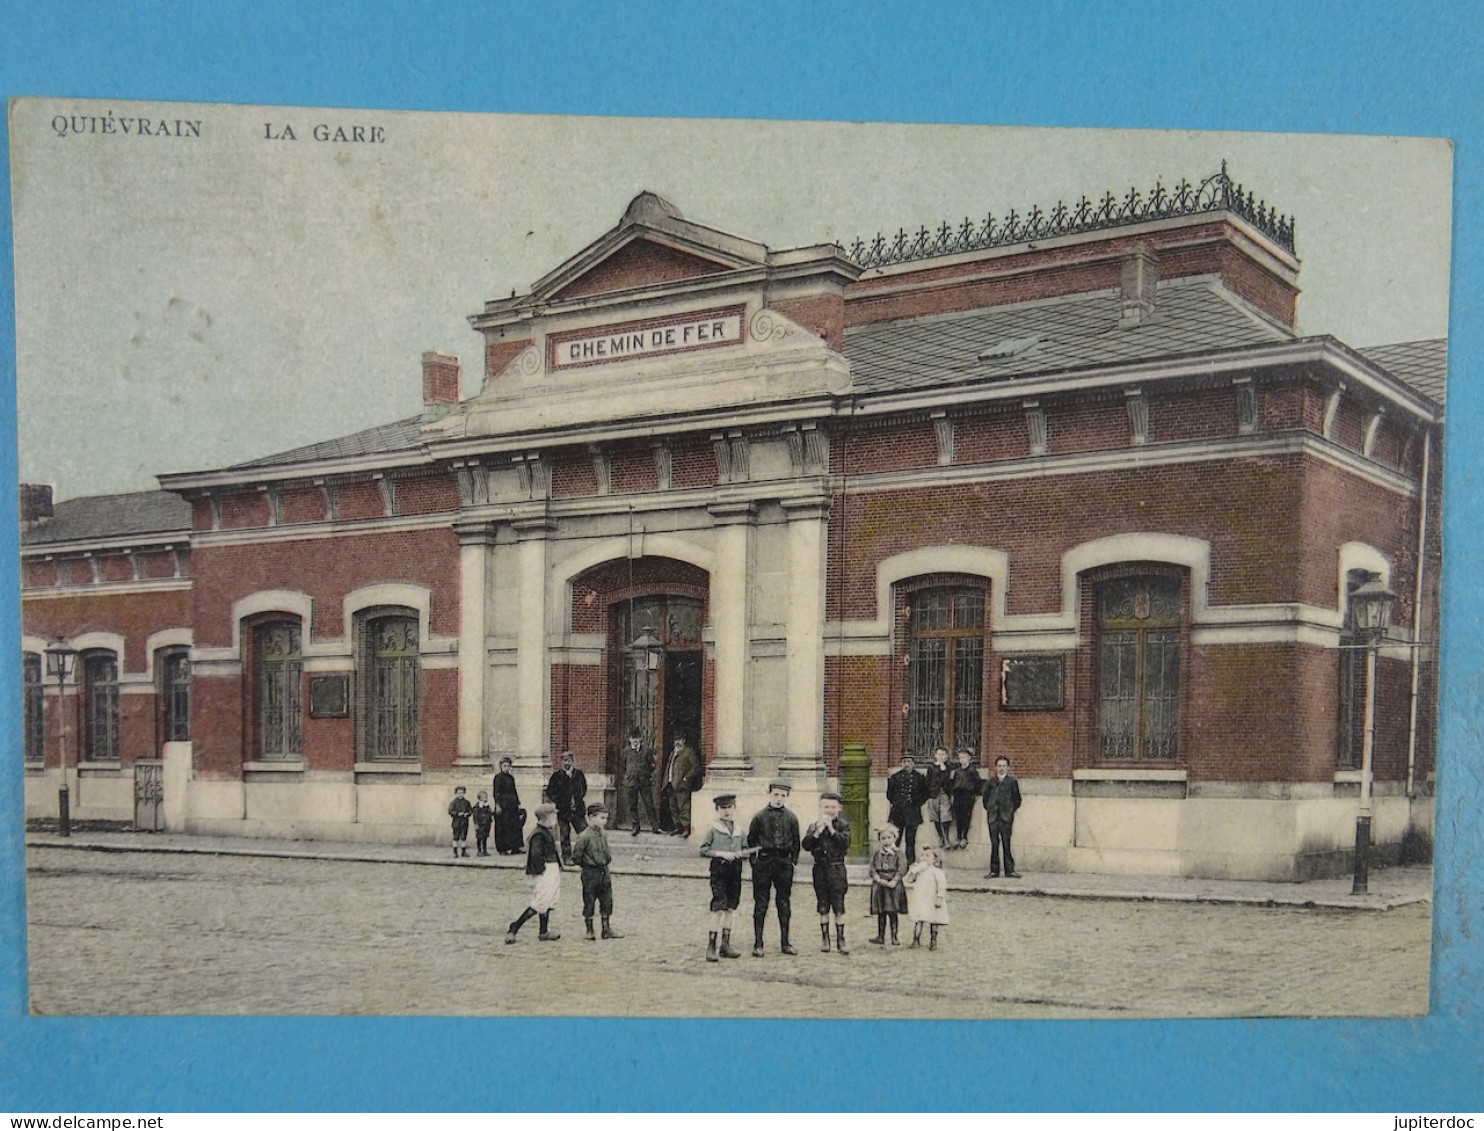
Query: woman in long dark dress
{"x": 510, "y": 818}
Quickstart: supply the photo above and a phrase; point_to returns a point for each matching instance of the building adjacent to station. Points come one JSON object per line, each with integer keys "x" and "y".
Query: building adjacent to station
{"x": 1067, "y": 487}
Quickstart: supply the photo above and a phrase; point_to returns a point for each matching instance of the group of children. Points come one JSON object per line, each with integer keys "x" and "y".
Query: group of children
{"x": 920, "y": 890}
{"x": 462, "y": 812}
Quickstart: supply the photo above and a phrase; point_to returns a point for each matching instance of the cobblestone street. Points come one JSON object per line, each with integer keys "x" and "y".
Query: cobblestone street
{"x": 134, "y": 933}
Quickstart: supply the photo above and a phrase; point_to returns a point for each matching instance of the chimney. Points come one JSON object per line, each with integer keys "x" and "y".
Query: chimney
{"x": 440, "y": 384}
{"x": 36, "y": 504}
{"x": 1140, "y": 279}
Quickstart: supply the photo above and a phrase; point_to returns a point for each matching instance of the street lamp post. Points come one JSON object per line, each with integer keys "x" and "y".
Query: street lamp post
{"x": 60, "y": 659}
{"x": 1370, "y": 606}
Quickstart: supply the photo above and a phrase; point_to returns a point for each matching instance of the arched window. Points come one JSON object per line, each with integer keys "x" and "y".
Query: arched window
{"x": 100, "y": 690}
{"x": 390, "y": 686}
{"x": 945, "y": 669}
{"x": 173, "y": 666}
{"x": 35, "y": 716}
{"x": 1139, "y": 623}
{"x": 278, "y": 667}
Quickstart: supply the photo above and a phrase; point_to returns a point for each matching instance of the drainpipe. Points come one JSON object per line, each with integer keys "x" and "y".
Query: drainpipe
{"x": 1417, "y": 615}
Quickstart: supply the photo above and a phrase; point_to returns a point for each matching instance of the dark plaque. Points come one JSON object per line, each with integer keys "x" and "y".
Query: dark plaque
{"x": 1033, "y": 683}
{"x": 329, "y": 696}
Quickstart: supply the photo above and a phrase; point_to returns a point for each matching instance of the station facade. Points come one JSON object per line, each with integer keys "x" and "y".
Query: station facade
{"x": 1068, "y": 488}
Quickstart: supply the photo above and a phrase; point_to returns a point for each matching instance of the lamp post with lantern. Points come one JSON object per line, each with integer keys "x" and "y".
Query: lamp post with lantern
{"x": 1370, "y": 609}
{"x": 61, "y": 658}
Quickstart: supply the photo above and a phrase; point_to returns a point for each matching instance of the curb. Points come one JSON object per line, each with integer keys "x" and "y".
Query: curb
{"x": 623, "y": 867}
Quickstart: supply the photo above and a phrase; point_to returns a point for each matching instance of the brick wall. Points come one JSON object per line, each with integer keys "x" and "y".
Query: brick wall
{"x": 302, "y": 504}
{"x": 640, "y": 264}
{"x": 500, "y": 352}
{"x": 821, "y": 314}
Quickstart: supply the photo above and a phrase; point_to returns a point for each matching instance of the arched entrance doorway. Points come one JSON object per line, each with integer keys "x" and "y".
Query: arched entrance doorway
{"x": 657, "y": 679}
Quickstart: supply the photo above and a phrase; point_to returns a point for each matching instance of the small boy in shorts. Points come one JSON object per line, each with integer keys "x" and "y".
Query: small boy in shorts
{"x": 590, "y": 852}
{"x": 829, "y": 840}
{"x": 459, "y": 810}
{"x": 484, "y": 817}
{"x": 726, "y": 847}
{"x": 544, "y": 863}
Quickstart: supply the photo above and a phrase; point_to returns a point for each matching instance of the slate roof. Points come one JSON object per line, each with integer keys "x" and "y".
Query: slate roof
{"x": 1190, "y": 316}
{"x": 92, "y": 518}
{"x": 1423, "y": 365}
{"x": 384, "y": 439}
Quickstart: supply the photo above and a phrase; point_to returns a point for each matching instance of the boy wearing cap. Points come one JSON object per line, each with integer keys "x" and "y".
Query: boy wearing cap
{"x": 725, "y": 847}
{"x": 590, "y": 852}
{"x": 544, "y": 862}
{"x": 829, "y": 840}
{"x": 484, "y": 817}
{"x": 459, "y": 810}
{"x": 774, "y": 832}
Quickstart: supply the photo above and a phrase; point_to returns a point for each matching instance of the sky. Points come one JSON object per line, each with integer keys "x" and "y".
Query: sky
{"x": 186, "y": 302}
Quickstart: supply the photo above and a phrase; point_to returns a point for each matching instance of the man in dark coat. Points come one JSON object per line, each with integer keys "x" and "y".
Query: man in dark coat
{"x": 774, "y": 832}
{"x": 1001, "y": 799}
{"x": 906, "y": 791}
{"x": 567, "y": 790}
{"x": 638, "y": 780}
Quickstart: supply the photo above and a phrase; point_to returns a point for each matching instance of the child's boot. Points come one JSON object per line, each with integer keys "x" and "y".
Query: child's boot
{"x": 880, "y": 938}
{"x": 464, "y": 850}
{"x": 933, "y": 936}
{"x": 757, "y": 936}
{"x": 608, "y": 931}
{"x": 455, "y": 852}
{"x": 916, "y": 934}
{"x": 547, "y": 935}
{"x": 711, "y": 955}
{"x": 824, "y": 937}
{"x": 894, "y": 930}
{"x": 726, "y": 946}
{"x": 590, "y": 936}
{"x": 840, "y": 938}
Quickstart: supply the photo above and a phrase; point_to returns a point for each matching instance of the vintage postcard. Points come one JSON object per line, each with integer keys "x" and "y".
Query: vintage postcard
{"x": 553, "y": 566}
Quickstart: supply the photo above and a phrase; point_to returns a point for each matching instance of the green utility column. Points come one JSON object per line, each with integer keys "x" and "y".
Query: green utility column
{"x": 855, "y": 789}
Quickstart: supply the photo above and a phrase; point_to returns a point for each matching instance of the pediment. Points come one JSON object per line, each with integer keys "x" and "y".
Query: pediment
{"x": 642, "y": 262}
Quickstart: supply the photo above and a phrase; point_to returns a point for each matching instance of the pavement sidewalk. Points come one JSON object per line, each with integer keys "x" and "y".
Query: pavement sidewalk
{"x": 662, "y": 856}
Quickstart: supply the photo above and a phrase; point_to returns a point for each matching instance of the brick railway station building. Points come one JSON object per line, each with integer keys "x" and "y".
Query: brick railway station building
{"x": 1068, "y": 488}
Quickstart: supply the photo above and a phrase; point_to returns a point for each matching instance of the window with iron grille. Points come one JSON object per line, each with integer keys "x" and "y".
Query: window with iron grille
{"x": 675, "y": 622}
{"x": 390, "y": 687}
{"x": 101, "y": 706}
{"x": 1352, "y": 679}
{"x": 1139, "y": 632}
{"x": 280, "y": 691}
{"x": 945, "y": 669}
{"x": 174, "y": 667}
{"x": 34, "y": 706}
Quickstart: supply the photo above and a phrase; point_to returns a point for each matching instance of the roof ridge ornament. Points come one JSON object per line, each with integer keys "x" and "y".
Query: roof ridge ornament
{"x": 1217, "y": 193}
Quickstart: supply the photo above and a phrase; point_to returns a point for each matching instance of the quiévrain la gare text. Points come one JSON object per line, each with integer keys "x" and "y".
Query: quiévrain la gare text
{"x": 369, "y": 135}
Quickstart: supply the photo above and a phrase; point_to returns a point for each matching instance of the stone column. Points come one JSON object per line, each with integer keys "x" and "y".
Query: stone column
{"x": 475, "y": 540}
{"x": 531, "y": 678}
{"x": 730, "y": 582}
{"x": 803, "y": 758}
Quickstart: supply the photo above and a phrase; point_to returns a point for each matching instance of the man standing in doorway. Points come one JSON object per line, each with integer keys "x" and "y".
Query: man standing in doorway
{"x": 1001, "y": 799}
{"x": 684, "y": 771}
{"x": 567, "y": 790}
{"x": 774, "y": 832}
{"x": 638, "y": 780}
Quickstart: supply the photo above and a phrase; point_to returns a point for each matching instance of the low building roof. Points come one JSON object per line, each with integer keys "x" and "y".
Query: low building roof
{"x": 1423, "y": 365}
{"x": 384, "y": 439}
{"x": 93, "y": 518}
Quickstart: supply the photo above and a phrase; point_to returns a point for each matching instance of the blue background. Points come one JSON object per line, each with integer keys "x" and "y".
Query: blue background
{"x": 1348, "y": 68}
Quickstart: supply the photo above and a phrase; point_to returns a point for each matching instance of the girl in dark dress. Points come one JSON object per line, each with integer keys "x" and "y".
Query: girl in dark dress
{"x": 510, "y": 818}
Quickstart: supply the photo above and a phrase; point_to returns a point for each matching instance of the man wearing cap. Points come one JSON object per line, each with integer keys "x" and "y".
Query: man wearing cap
{"x": 567, "y": 790}
{"x": 638, "y": 779}
{"x": 724, "y": 845}
{"x": 828, "y": 839}
{"x": 590, "y": 852}
{"x": 684, "y": 770}
{"x": 906, "y": 791}
{"x": 774, "y": 832}
{"x": 543, "y": 863}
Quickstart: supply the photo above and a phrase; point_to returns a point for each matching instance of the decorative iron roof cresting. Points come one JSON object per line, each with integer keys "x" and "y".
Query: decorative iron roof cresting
{"x": 1217, "y": 193}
